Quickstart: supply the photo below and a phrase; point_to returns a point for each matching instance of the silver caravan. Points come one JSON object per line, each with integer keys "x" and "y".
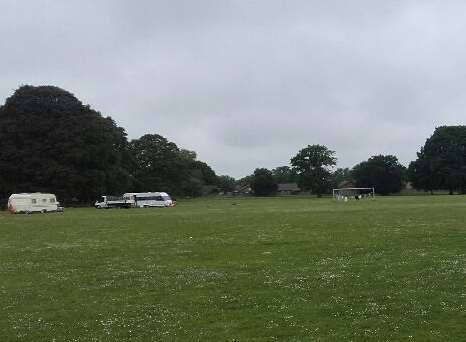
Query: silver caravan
{"x": 33, "y": 203}
{"x": 149, "y": 199}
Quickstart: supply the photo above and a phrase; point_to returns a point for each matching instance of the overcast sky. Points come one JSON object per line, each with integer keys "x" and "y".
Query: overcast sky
{"x": 247, "y": 84}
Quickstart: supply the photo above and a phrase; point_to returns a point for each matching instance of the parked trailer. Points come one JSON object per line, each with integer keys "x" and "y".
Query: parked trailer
{"x": 109, "y": 202}
{"x": 149, "y": 199}
{"x": 33, "y": 203}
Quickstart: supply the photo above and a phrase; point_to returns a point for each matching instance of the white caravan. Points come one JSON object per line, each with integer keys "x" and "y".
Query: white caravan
{"x": 149, "y": 199}
{"x": 34, "y": 202}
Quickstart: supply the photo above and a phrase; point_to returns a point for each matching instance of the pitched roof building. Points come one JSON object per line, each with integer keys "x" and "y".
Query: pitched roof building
{"x": 288, "y": 188}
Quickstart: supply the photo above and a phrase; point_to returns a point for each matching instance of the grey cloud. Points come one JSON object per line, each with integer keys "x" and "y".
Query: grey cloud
{"x": 248, "y": 83}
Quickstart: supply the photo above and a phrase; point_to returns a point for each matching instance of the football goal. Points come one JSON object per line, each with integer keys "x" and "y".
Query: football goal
{"x": 346, "y": 194}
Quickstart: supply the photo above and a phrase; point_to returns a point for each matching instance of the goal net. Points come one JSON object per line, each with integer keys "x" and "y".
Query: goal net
{"x": 346, "y": 194}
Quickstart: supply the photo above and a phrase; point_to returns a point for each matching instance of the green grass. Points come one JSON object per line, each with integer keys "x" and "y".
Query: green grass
{"x": 278, "y": 269}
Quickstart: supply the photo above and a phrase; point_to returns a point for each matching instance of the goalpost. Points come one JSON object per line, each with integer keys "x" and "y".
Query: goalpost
{"x": 346, "y": 194}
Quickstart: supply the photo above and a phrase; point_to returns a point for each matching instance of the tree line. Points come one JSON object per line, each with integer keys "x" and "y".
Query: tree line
{"x": 311, "y": 169}
{"x": 440, "y": 165}
{"x": 52, "y": 142}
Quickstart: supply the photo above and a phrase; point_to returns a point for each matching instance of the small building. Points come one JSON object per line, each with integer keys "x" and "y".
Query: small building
{"x": 288, "y": 189}
{"x": 244, "y": 189}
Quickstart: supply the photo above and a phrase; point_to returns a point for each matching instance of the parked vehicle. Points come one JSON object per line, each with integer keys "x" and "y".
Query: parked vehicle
{"x": 149, "y": 199}
{"x": 33, "y": 203}
{"x": 109, "y": 202}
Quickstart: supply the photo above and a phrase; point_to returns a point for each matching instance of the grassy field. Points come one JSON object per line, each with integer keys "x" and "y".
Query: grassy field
{"x": 278, "y": 269}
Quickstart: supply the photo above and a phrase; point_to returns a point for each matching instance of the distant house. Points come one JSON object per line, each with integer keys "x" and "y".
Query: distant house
{"x": 409, "y": 189}
{"x": 242, "y": 190}
{"x": 288, "y": 188}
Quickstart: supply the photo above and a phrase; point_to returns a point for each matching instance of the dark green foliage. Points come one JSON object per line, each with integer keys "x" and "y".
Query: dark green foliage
{"x": 384, "y": 173}
{"x": 161, "y": 166}
{"x": 247, "y": 180}
{"x": 313, "y": 164}
{"x": 285, "y": 174}
{"x": 190, "y": 187}
{"x": 226, "y": 183}
{"x": 341, "y": 178}
{"x": 263, "y": 183}
{"x": 203, "y": 172}
{"x": 201, "y": 179}
{"x": 187, "y": 154}
{"x": 51, "y": 142}
{"x": 421, "y": 173}
{"x": 441, "y": 163}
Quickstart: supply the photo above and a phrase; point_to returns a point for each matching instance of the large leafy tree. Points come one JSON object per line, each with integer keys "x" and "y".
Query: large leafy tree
{"x": 341, "y": 177}
{"x": 313, "y": 164}
{"x": 52, "y": 142}
{"x": 421, "y": 173}
{"x": 226, "y": 183}
{"x": 285, "y": 174}
{"x": 161, "y": 166}
{"x": 201, "y": 170}
{"x": 263, "y": 182}
{"x": 441, "y": 163}
{"x": 384, "y": 173}
{"x": 199, "y": 177}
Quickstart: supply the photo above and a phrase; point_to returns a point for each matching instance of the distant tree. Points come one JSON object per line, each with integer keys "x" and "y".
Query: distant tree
{"x": 226, "y": 183}
{"x": 285, "y": 174}
{"x": 161, "y": 166}
{"x": 203, "y": 172}
{"x": 313, "y": 164}
{"x": 421, "y": 173}
{"x": 51, "y": 142}
{"x": 247, "y": 180}
{"x": 199, "y": 176}
{"x": 441, "y": 163}
{"x": 191, "y": 187}
{"x": 340, "y": 176}
{"x": 244, "y": 183}
{"x": 187, "y": 155}
{"x": 263, "y": 183}
{"x": 384, "y": 173}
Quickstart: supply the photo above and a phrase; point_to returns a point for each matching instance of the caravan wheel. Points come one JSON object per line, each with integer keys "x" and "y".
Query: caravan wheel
{"x": 43, "y": 211}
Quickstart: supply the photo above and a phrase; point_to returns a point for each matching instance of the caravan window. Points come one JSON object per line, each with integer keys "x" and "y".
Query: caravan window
{"x": 52, "y": 200}
{"x": 34, "y": 201}
{"x": 150, "y": 198}
{"x": 44, "y": 200}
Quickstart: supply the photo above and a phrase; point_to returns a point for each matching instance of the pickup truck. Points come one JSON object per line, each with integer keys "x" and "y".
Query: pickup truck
{"x": 109, "y": 202}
